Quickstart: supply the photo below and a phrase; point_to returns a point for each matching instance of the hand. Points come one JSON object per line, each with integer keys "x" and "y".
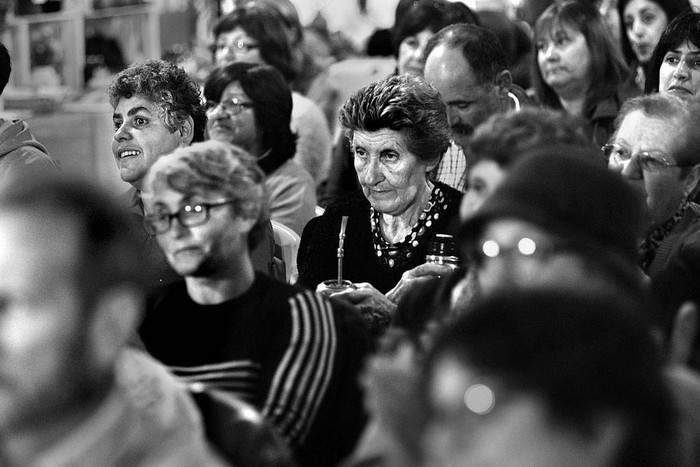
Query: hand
{"x": 376, "y": 310}
{"x": 416, "y": 276}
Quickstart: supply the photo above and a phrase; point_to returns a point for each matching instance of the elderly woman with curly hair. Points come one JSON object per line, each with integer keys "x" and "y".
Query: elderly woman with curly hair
{"x": 398, "y": 131}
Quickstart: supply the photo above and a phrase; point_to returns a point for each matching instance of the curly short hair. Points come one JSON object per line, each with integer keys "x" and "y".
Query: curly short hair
{"x": 685, "y": 115}
{"x": 166, "y": 85}
{"x": 215, "y": 167}
{"x": 504, "y": 138}
{"x": 404, "y": 104}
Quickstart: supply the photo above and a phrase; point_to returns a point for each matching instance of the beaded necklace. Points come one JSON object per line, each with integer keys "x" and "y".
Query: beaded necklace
{"x": 398, "y": 254}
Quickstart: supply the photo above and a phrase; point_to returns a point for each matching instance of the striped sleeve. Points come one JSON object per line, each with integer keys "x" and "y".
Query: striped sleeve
{"x": 301, "y": 380}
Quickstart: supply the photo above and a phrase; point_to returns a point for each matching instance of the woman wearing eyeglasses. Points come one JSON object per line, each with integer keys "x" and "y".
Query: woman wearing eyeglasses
{"x": 257, "y": 33}
{"x": 250, "y": 105}
{"x": 655, "y": 150}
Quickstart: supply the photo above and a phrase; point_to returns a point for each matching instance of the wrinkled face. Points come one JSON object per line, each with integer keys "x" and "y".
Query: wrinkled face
{"x": 392, "y": 178}
{"x": 515, "y": 253}
{"x": 663, "y": 187}
{"x": 216, "y": 246}
{"x": 565, "y": 61}
{"x": 475, "y": 421}
{"x": 44, "y": 369}
{"x": 410, "y": 53}
{"x": 484, "y": 177}
{"x": 679, "y": 73}
{"x": 232, "y": 120}
{"x": 236, "y": 46}
{"x": 469, "y": 102}
{"x": 140, "y": 138}
{"x": 644, "y": 22}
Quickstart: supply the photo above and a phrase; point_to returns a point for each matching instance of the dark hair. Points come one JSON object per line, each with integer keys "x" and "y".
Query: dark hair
{"x": 671, "y": 8}
{"x": 608, "y": 67}
{"x": 222, "y": 168}
{"x": 166, "y": 85}
{"x": 685, "y": 115}
{"x": 583, "y": 354}
{"x": 404, "y": 104}
{"x": 431, "y": 15}
{"x": 272, "y": 105}
{"x": 109, "y": 254}
{"x": 479, "y": 46}
{"x": 684, "y": 28}
{"x": 505, "y": 137}
{"x": 5, "y": 67}
{"x": 267, "y": 26}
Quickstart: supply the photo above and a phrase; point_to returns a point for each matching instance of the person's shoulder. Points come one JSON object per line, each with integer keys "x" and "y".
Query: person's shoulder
{"x": 352, "y": 203}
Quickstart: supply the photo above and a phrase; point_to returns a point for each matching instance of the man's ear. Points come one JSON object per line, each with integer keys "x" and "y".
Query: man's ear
{"x": 116, "y": 316}
{"x": 685, "y": 327}
{"x": 691, "y": 184}
{"x": 504, "y": 80}
{"x": 186, "y": 131}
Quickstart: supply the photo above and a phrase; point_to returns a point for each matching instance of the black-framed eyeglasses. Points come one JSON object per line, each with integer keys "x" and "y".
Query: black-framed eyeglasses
{"x": 232, "y": 106}
{"x": 618, "y": 155}
{"x": 189, "y": 215}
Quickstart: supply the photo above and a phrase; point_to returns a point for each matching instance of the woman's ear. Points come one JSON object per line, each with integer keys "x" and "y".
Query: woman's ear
{"x": 186, "y": 131}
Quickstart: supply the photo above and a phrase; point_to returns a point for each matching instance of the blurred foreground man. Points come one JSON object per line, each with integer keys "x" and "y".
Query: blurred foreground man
{"x": 71, "y": 394}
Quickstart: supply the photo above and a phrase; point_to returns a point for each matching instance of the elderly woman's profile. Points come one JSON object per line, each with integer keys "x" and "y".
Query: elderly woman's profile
{"x": 398, "y": 131}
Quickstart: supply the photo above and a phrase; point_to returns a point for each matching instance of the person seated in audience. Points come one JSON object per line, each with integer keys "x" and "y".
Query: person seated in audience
{"x": 643, "y": 23}
{"x": 398, "y": 132}
{"x": 256, "y": 32}
{"x": 415, "y": 26}
{"x": 157, "y": 108}
{"x": 19, "y": 151}
{"x": 578, "y": 66}
{"x": 71, "y": 392}
{"x": 501, "y": 141}
{"x": 250, "y": 105}
{"x": 287, "y": 351}
{"x": 550, "y": 377}
{"x": 467, "y": 64}
{"x": 655, "y": 149}
{"x": 673, "y": 68}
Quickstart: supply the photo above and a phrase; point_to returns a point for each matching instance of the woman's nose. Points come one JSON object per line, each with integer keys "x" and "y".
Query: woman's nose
{"x": 550, "y": 52}
{"x": 638, "y": 28}
{"x": 373, "y": 173}
{"x": 681, "y": 72}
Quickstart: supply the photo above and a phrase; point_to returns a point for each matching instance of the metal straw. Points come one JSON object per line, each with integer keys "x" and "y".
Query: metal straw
{"x": 341, "y": 252}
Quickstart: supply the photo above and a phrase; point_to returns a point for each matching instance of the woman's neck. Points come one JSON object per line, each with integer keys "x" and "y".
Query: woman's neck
{"x": 220, "y": 288}
{"x": 395, "y": 228}
{"x": 573, "y": 99}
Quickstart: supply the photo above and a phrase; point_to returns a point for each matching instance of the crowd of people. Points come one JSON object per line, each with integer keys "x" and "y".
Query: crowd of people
{"x": 494, "y": 266}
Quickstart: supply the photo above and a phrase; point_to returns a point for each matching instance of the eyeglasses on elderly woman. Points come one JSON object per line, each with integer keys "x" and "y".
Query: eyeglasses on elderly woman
{"x": 649, "y": 161}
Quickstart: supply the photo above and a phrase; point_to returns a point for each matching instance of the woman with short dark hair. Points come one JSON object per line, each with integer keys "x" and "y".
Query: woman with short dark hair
{"x": 398, "y": 131}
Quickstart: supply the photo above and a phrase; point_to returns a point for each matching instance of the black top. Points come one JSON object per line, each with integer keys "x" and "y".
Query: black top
{"x": 317, "y": 257}
{"x": 285, "y": 350}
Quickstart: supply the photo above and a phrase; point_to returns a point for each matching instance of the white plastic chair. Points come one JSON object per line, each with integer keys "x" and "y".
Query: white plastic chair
{"x": 287, "y": 244}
